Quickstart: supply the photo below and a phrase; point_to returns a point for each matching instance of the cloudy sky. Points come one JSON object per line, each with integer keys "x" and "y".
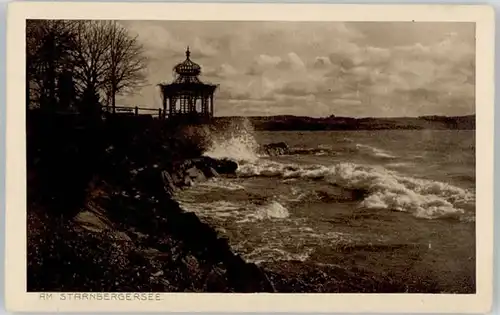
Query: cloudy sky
{"x": 317, "y": 68}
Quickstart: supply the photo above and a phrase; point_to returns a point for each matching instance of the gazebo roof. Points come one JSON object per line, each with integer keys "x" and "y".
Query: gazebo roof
{"x": 187, "y": 80}
{"x": 183, "y": 87}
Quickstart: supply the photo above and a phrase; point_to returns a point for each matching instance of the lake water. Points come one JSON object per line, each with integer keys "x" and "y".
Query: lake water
{"x": 370, "y": 190}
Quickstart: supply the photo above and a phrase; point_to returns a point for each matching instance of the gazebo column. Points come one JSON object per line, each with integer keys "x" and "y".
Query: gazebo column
{"x": 164, "y": 103}
{"x": 192, "y": 104}
{"x": 202, "y": 99}
{"x": 183, "y": 104}
{"x": 212, "y": 105}
{"x": 171, "y": 106}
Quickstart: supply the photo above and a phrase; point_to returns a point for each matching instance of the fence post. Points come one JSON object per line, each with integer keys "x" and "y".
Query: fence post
{"x": 159, "y": 113}
{"x": 136, "y": 110}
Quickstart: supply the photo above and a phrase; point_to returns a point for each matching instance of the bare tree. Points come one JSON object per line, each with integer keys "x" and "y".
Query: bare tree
{"x": 91, "y": 64}
{"x": 110, "y": 61}
{"x": 127, "y": 63}
{"x": 93, "y": 58}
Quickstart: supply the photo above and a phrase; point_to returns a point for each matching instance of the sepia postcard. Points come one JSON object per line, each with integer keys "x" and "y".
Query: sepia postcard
{"x": 249, "y": 157}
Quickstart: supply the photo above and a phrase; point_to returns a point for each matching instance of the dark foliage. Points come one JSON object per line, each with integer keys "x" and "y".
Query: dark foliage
{"x": 74, "y": 64}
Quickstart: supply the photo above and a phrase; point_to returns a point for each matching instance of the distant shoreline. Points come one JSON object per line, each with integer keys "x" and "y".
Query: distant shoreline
{"x": 297, "y": 123}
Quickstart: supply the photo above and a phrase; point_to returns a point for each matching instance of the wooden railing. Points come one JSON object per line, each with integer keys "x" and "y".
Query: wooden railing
{"x": 136, "y": 111}
{"x": 155, "y": 112}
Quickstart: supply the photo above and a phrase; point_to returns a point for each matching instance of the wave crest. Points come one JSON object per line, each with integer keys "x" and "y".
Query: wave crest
{"x": 236, "y": 143}
{"x": 385, "y": 189}
{"x": 376, "y": 152}
{"x": 269, "y": 211}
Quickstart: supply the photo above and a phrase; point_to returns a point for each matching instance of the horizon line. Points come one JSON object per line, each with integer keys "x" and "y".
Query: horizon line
{"x": 360, "y": 117}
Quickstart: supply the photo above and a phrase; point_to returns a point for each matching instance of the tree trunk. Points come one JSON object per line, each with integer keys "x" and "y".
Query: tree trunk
{"x": 113, "y": 101}
{"x": 113, "y": 94}
{"x": 51, "y": 74}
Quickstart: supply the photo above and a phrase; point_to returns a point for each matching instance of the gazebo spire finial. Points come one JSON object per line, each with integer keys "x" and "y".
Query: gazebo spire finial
{"x": 188, "y": 53}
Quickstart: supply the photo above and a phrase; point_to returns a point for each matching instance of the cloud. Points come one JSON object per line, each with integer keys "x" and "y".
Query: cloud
{"x": 321, "y": 62}
{"x": 265, "y": 63}
{"x": 349, "y": 68}
{"x": 159, "y": 42}
{"x": 414, "y": 76}
{"x": 294, "y": 62}
{"x": 223, "y": 71}
{"x": 402, "y": 80}
{"x": 349, "y": 102}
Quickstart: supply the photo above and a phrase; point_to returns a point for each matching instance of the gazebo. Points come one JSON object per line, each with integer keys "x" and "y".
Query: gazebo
{"x": 187, "y": 95}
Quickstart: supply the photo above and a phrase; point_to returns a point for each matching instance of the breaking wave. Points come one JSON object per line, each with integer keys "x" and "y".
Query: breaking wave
{"x": 274, "y": 253}
{"x": 221, "y": 184}
{"x": 376, "y": 152}
{"x": 385, "y": 189}
{"x": 272, "y": 210}
{"x": 241, "y": 212}
{"x": 237, "y": 143}
{"x": 220, "y": 209}
{"x": 311, "y": 151}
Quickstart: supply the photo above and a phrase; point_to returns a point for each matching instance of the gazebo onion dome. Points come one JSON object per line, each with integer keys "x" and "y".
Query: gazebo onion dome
{"x": 188, "y": 67}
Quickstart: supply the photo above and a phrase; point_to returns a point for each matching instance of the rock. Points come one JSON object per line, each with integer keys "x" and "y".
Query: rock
{"x": 168, "y": 182}
{"x": 188, "y": 181}
{"x": 93, "y": 218}
{"x": 153, "y": 253}
{"x": 157, "y": 274}
{"x": 195, "y": 174}
{"x": 205, "y": 164}
{"x": 138, "y": 235}
{"x": 212, "y": 172}
{"x": 216, "y": 281}
{"x": 191, "y": 263}
{"x": 226, "y": 166}
{"x": 122, "y": 236}
{"x": 275, "y": 149}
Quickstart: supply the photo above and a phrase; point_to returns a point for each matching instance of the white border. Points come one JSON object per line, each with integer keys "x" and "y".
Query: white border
{"x": 15, "y": 274}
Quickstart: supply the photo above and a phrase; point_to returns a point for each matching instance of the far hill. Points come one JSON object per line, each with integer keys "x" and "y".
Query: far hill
{"x": 286, "y": 122}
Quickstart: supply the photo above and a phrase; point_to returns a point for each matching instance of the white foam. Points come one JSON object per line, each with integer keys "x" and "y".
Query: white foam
{"x": 375, "y": 151}
{"x": 386, "y": 189}
{"x": 236, "y": 143}
{"x": 218, "y": 209}
{"x": 270, "y": 253}
{"x": 399, "y": 165}
{"x": 271, "y": 210}
{"x": 221, "y": 184}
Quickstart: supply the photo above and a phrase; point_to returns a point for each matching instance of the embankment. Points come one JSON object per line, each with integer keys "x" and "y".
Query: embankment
{"x": 105, "y": 219}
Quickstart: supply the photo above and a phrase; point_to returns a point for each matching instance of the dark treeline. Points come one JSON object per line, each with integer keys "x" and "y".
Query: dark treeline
{"x": 78, "y": 65}
{"x": 288, "y": 122}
